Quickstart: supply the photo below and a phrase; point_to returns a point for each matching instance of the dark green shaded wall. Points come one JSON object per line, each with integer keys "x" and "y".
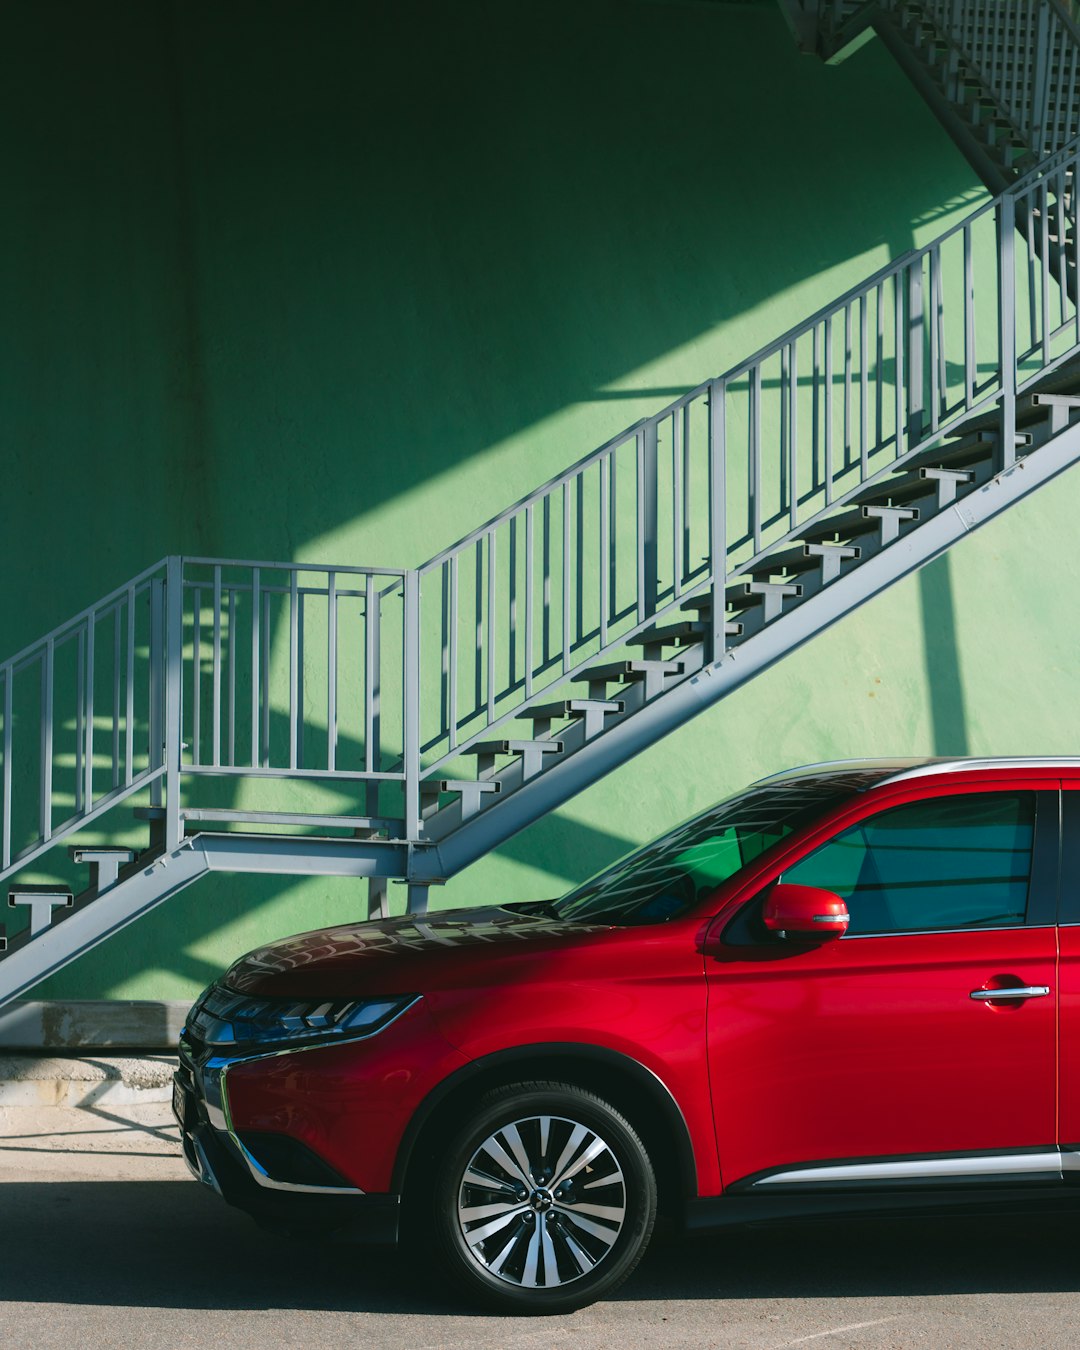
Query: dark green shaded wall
{"x": 336, "y": 282}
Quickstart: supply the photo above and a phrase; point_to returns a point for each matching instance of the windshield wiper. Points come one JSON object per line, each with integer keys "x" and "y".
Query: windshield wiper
{"x": 546, "y": 909}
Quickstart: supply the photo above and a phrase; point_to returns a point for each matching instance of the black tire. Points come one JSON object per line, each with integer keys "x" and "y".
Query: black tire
{"x": 544, "y": 1253}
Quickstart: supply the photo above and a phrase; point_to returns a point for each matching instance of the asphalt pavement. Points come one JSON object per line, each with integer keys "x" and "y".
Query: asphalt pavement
{"x": 106, "y": 1242}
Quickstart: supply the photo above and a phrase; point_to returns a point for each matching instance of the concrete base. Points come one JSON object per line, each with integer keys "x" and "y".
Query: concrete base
{"x": 34, "y": 1081}
{"x": 108, "y": 1024}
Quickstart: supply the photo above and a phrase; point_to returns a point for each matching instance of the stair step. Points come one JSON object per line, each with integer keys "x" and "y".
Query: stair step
{"x": 571, "y": 707}
{"x": 970, "y": 450}
{"x": 908, "y": 487}
{"x": 862, "y": 520}
{"x": 684, "y": 634}
{"x": 770, "y": 595}
{"x": 41, "y": 902}
{"x": 623, "y": 672}
{"x": 105, "y": 864}
{"x": 805, "y": 557}
{"x": 652, "y": 674}
{"x": 470, "y": 791}
{"x": 590, "y": 711}
{"x": 531, "y": 753}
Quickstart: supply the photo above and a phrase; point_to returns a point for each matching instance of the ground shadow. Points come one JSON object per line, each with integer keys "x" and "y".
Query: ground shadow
{"x": 161, "y": 1245}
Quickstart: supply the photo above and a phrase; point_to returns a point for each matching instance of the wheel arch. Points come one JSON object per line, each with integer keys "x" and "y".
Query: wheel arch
{"x": 630, "y": 1087}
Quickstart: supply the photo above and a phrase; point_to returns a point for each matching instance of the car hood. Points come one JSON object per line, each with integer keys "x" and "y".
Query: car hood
{"x": 394, "y": 955}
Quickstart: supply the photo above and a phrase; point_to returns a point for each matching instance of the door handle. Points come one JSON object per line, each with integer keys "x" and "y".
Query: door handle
{"x": 1026, "y": 991}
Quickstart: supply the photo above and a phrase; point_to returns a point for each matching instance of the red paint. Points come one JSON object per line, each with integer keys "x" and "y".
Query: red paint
{"x": 851, "y": 1047}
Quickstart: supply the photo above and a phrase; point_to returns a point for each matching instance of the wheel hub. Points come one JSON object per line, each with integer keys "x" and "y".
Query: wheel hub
{"x": 541, "y": 1200}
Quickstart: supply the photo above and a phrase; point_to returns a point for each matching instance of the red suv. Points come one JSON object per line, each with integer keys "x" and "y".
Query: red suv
{"x": 852, "y": 987}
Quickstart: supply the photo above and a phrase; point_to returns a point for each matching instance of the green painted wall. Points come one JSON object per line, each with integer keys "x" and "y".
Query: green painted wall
{"x": 337, "y": 282}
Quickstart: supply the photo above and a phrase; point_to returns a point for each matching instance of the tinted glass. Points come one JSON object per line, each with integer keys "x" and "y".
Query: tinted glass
{"x": 950, "y": 862}
{"x": 670, "y": 875}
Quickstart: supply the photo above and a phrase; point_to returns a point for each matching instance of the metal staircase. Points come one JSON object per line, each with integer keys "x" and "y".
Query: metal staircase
{"x": 387, "y": 724}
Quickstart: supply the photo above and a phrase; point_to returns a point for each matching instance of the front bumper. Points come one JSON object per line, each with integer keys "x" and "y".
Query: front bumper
{"x": 218, "y": 1158}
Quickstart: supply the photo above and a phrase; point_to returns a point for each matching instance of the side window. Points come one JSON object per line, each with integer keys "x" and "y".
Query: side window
{"x": 948, "y": 862}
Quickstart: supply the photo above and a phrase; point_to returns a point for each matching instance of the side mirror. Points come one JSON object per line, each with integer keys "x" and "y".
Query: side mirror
{"x": 807, "y": 910}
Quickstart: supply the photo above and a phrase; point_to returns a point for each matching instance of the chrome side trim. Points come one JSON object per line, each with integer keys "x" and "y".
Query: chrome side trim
{"x": 986, "y": 1165}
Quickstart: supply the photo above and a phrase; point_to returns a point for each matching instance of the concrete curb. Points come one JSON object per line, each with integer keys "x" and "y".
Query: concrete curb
{"x": 33, "y": 1080}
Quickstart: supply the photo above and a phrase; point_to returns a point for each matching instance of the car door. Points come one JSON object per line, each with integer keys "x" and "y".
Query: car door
{"x": 881, "y": 1049}
{"x": 1069, "y": 977}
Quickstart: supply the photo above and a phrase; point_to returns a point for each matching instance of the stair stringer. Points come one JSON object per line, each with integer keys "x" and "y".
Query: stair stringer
{"x": 95, "y": 918}
{"x": 671, "y": 710}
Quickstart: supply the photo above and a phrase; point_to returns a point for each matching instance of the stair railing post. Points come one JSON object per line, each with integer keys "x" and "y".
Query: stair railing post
{"x": 411, "y": 711}
{"x": 158, "y": 643}
{"x": 1035, "y": 126}
{"x": 648, "y": 556}
{"x": 915, "y": 372}
{"x": 174, "y": 657}
{"x": 718, "y": 515}
{"x": 1006, "y": 225}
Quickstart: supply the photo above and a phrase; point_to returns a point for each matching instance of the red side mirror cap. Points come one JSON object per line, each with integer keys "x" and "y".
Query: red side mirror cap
{"x": 807, "y": 910}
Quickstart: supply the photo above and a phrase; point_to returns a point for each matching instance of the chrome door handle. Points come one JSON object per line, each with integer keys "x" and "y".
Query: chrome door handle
{"x": 1027, "y": 991}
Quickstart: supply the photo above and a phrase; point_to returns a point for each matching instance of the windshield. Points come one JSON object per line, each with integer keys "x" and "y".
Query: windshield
{"x": 668, "y": 877}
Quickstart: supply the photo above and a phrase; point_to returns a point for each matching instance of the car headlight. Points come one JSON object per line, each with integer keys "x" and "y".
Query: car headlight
{"x": 223, "y": 1018}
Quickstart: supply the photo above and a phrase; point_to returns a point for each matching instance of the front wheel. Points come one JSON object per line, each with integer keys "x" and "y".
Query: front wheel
{"x": 545, "y": 1200}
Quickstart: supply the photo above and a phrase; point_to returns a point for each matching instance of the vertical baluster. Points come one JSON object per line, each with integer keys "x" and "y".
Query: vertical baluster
{"x": 301, "y": 667}
{"x": 793, "y": 437}
{"x": 1062, "y": 278}
{"x": 718, "y": 514}
{"x": 478, "y": 628}
{"x": 828, "y": 410}
{"x": 676, "y": 504}
{"x": 80, "y": 715}
{"x": 196, "y": 676}
{"x": 646, "y": 517}
{"x": 613, "y": 532}
{"x": 579, "y": 569}
{"x": 88, "y": 752}
{"x": 864, "y": 385}
{"x": 159, "y": 677}
{"x": 783, "y": 459}
{"x": 331, "y": 671}
{"x": 215, "y": 744}
{"x": 453, "y": 686}
{"x": 937, "y": 391}
{"x": 566, "y": 565}
{"x": 603, "y": 568}
{"x": 848, "y": 432}
{"x": 687, "y": 505}
{"x": 969, "y": 321}
{"x": 898, "y": 358}
{"x": 117, "y": 682}
{"x": 816, "y": 433}
{"x": 915, "y": 381}
{"x": 129, "y": 710}
{"x": 45, "y": 794}
{"x": 545, "y": 635}
{"x": 490, "y": 615}
{"x": 256, "y": 674}
{"x": 232, "y": 674}
{"x": 755, "y": 456}
{"x": 5, "y": 828}
{"x": 370, "y": 677}
{"x": 530, "y": 602}
{"x": 1006, "y": 219}
{"x": 411, "y": 709}
{"x": 265, "y": 692}
{"x": 1044, "y": 269}
{"x": 879, "y": 362}
{"x": 512, "y": 603}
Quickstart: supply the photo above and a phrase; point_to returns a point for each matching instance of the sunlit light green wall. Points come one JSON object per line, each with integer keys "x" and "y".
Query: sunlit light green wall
{"x": 336, "y": 283}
